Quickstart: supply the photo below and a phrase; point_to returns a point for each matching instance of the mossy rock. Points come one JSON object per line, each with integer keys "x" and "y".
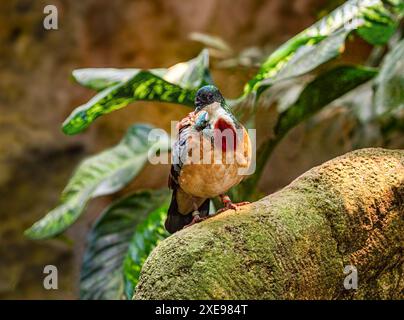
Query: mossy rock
{"x": 295, "y": 243}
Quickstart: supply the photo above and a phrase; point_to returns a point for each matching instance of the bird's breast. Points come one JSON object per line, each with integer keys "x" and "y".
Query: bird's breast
{"x": 209, "y": 171}
{"x": 225, "y": 137}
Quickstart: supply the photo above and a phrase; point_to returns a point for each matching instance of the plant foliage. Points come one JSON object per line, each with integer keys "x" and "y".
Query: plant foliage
{"x": 99, "y": 175}
{"x": 119, "y": 88}
{"x": 103, "y": 264}
{"x": 130, "y": 228}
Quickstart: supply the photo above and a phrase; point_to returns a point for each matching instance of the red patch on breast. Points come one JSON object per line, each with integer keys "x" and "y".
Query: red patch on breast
{"x": 225, "y": 133}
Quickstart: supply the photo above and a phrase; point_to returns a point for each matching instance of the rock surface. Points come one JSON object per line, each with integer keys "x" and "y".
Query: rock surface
{"x": 295, "y": 243}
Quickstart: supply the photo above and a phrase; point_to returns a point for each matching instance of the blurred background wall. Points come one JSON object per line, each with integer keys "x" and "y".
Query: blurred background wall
{"x": 36, "y": 95}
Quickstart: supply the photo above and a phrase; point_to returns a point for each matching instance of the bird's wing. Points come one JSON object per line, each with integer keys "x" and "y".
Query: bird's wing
{"x": 179, "y": 153}
{"x": 182, "y": 204}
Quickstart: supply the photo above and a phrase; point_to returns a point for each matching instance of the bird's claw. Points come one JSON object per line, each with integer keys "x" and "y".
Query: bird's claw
{"x": 195, "y": 219}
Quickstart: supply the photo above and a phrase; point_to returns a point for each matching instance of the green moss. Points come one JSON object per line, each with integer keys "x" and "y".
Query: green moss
{"x": 293, "y": 244}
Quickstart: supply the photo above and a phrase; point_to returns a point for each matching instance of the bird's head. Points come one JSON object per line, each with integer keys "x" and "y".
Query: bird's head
{"x": 214, "y": 117}
{"x": 206, "y": 96}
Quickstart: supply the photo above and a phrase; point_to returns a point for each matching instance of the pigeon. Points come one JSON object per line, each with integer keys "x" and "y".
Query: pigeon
{"x": 210, "y": 155}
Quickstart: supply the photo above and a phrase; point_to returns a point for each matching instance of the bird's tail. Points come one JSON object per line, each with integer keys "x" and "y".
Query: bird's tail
{"x": 176, "y": 221}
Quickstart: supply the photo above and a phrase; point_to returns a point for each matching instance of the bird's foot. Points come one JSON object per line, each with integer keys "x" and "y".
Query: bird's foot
{"x": 196, "y": 219}
{"x": 228, "y": 205}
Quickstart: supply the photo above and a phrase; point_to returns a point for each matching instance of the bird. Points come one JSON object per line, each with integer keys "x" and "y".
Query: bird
{"x": 210, "y": 151}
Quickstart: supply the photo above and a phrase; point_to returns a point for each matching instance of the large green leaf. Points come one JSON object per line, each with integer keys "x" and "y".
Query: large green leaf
{"x": 320, "y": 92}
{"x": 324, "y": 89}
{"x": 102, "y": 78}
{"x": 143, "y": 86}
{"x": 378, "y": 26}
{"x": 146, "y": 237}
{"x": 102, "y": 269}
{"x": 177, "y": 84}
{"x": 389, "y": 93}
{"x": 98, "y": 175}
{"x": 308, "y": 57}
{"x": 352, "y": 15}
